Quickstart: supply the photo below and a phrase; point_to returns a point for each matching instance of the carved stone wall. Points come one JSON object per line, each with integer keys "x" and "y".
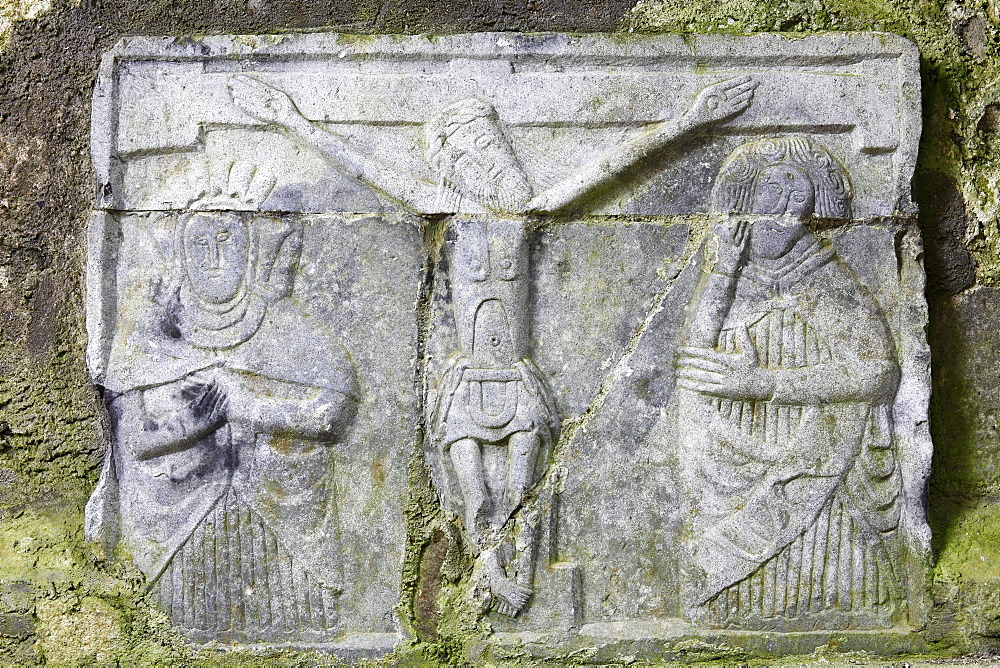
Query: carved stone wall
{"x": 647, "y": 316}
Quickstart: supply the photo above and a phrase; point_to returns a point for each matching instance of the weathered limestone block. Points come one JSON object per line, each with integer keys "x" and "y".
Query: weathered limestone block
{"x": 650, "y": 310}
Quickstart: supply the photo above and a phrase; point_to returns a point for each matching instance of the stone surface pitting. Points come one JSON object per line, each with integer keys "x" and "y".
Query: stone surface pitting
{"x": 650, "y": 308}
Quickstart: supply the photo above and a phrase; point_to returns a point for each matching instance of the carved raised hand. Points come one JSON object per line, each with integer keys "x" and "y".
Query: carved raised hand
{"x": 727, "y": 247}
{"x": 721, "y": 101}
{"x": 714, "y": 104}
{"x": 275, "y": 107}
{"x": 737, "y": 376}
{"x": 263, "y": 102}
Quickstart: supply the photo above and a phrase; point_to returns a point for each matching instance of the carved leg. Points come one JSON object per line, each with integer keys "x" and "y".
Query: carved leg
{"x": 526, "y": 537}
{"x": 467, "y": 458}
{"x": 522, "y": 452}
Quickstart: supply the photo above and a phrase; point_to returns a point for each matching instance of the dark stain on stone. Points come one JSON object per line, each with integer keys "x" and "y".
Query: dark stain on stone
{"x": 425, "y": 611}
{"x": 44, "y": 317}
{"x": 989, "y": 122}
{"x": 964, "y": 405}
{"x": 378, "y": 471}
{"x": 950, "y": 267}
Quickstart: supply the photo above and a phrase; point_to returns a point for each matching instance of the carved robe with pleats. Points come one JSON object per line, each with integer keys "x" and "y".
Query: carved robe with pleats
{"x": 234, "y": 529}
{"x": 794, "y": 502}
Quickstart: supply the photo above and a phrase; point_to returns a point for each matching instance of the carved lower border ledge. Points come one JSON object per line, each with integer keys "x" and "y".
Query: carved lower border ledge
{"x": 676, "y": 640}
{"x": 350, "y": 648}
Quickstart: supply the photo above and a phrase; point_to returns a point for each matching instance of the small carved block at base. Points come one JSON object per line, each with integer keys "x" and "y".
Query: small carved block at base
{"x": 650, "y": 310}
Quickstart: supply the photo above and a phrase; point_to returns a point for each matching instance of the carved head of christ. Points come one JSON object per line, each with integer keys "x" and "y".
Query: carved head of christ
{"x": 470, "y": 151}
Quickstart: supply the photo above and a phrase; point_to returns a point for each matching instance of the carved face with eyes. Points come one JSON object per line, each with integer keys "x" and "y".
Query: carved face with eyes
{"x": 786, "y": 196}
{"x": 215, "y": 255}
{"x": 486, "y": 166}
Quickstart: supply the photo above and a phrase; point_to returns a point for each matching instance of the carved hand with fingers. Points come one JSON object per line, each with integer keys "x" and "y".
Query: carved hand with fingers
{"x": 721, "y": 101}
{"x": 737, "y": 376}
{"x": 208, "y": 403}
{"x": 728, "y": 247}
{"x": 262, "y": 101}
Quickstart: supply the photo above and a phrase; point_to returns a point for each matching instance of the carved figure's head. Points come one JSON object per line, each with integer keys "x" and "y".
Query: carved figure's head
{"x": 215, "y": 249}
{"x": 783, "y": 182}
{"x": 468, "y": 148}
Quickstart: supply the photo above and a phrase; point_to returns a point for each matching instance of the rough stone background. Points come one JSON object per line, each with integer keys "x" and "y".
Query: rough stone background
{"x": 59, "y": 604}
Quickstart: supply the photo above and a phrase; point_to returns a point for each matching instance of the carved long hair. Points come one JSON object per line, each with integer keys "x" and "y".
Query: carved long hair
{"x": 737, "y": 180}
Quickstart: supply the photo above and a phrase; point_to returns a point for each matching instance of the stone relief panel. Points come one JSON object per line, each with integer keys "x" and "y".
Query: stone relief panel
{"x": 789, "y": 497}
{"x": 648, "y": 312}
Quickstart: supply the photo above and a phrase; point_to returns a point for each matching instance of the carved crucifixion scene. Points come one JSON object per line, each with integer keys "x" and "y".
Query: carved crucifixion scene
{"x": 628, "y": 334}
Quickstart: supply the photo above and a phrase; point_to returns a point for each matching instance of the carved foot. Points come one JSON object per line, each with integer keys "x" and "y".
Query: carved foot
{"x": 508, "y": 597}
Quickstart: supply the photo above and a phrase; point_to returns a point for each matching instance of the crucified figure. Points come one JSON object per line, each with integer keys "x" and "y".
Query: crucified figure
{"x": 495, "y": 422}
{"x": 473, "y": 158}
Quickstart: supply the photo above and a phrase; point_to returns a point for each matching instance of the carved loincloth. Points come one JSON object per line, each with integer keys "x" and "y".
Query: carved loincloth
{"x": 489, "y": 405}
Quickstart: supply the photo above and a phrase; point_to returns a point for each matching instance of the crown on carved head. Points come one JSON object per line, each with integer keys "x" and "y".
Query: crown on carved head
{"x": 230, "y": 186}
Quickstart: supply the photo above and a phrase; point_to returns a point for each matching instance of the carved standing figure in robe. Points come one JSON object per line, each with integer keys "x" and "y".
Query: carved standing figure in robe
{"x": 225, "y": 398}
{"x": 786, "y": 380}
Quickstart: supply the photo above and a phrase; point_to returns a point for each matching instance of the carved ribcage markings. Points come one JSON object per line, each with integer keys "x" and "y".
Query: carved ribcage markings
{"x": 234, "y": 580}
{"x": 783, "y": 340}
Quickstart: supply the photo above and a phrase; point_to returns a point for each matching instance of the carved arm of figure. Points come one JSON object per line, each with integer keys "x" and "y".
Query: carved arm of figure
{"x": 276, "y": 108}
{"x": 714, "y": 104}
{"x": 838, "y": 381}
{"x": 740, "y": 377}
{"x": 278, "y": 407}
{"x": 849, "y": 376}
{"x": 725, "y": 253}
{"x": 167, "y": 419}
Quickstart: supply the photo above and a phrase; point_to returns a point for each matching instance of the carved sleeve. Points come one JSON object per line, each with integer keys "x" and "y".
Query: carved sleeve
{"x": 712, "y": 301}
{"x": 863, "y": 363}
{"x": 835, "y": 382}
{"x": 408, "y": 189}
{"x": 278, "y": 407}
{"x": 160, "y": 421}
